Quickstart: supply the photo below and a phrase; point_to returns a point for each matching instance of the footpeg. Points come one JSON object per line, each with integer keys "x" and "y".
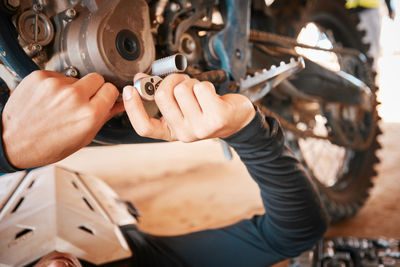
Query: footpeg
{"x": 257, "y": 86}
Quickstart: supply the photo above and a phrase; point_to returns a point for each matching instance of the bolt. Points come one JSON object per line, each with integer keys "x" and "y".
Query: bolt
{"x": 37, "y": 8}
{"x": 13, "y": 3}
{"x": 71, "y": 72}
{"x": 33, "y": 49}
{"x": 238, "y": 54}
{"x": 40, "y": 58}
{"x": 188, "y": 45}
{"x": 70, "y": 13}
{"x": 174, "y": 7}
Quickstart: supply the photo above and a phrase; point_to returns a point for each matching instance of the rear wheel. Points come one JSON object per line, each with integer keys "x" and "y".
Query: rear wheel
{"x": 343, "y": 173}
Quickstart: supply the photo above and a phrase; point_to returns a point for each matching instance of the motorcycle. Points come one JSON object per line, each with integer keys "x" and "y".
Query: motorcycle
{"x": 322, "y": 92}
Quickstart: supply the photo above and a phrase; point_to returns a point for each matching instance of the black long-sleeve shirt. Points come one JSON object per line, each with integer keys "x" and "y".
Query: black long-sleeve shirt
{"x": 293, "y": 222}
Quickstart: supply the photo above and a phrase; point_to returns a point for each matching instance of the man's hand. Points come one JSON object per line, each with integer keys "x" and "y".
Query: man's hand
{"x": 191, "y": 111}
{"x": 49, "y": 116}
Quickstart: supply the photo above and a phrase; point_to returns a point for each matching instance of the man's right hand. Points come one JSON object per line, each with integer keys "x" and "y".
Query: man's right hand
{"x": 50, "y": 116}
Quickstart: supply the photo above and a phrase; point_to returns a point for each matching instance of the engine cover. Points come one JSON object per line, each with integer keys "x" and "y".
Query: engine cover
{"x": 112, "y": 38}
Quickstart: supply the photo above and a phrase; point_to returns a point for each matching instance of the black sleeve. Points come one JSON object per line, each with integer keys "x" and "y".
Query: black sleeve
{"x": 5, "y": 165}
{"x": 293, "y": 222}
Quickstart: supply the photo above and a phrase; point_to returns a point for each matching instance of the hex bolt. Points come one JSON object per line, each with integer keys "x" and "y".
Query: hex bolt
{"x": 33, "y": 49}
{"x": 37, "y": 8}
{"x": 72, "y": 72}
{"x": 174, "y": 7}
{"x": 70, "y": 13}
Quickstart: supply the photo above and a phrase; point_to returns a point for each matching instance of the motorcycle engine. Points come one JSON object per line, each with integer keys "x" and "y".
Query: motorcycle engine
{"x": 109, "y": 37}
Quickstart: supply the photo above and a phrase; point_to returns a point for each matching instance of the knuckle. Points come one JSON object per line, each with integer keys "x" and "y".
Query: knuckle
{"x": 217, "y": 123}
{"x": 201, "y": 132}
{"x": 93, "y": 112}
{"x": 185, "y": 137}
{"x": 174, "y": 76}
{"x": 207, "y": 84}
{"x": 96, "y": 76}
{"x": 52, "y": 83}
{"x": 39, "y": 75}
{"x": 113, "y": 90}
{"x": 143, "y": 130}
{"x": 160, "y": 94}
{"x": 180, "y": 89}
{"x": 89, "y": 116}
{"x": 74, "y": 92}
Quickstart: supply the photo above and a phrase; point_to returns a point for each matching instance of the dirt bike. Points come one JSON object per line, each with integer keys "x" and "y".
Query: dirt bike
{"x": 328, "y": 108}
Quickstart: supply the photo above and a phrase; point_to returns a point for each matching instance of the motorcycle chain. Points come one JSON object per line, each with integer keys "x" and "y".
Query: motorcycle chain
{"x": 267, "y": 37}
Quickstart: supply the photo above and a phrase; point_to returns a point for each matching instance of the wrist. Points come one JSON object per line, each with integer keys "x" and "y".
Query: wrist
{"x": 256, "y": 128}
{"x": 11, "y": 153}
{"x": 7, "y": 154}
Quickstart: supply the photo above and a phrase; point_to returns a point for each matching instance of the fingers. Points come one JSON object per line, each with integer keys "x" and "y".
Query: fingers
{"x": 140, "y": 120}
{"x": 105, "y": 97}
{"x": 39, "y": 76}
{"x": 165, "y": 99}
{"x": 117, "y": 108}
{"x": 206, "y": 96}
{"x": 90, "y": 84}
{"x": 186, "y": 99}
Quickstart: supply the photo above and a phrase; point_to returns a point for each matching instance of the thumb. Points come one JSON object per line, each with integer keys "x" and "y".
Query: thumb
{"x": 134, "y": 108}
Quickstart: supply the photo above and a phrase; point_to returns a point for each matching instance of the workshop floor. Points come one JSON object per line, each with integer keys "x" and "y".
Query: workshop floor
{"x": 180, "y": 188}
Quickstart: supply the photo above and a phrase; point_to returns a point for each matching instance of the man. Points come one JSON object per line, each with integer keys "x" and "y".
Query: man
{"x": 50, "y": 116}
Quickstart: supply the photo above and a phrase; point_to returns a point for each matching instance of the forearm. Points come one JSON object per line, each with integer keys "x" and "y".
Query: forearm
{"x": 294, "y": 216}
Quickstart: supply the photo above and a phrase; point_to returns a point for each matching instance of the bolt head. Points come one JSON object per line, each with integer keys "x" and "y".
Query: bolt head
{"x": 70, "y": 13}
{"x": 174, "y": 7}
{"x": 72, "y": 72}
{"x": 37, "y": 8}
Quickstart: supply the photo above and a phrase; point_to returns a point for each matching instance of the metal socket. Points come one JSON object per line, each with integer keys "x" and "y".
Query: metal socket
{"x": 171, "y": 64}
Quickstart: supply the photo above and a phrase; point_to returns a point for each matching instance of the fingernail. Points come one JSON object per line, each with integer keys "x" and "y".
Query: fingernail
{"x": 127, "y": 92}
